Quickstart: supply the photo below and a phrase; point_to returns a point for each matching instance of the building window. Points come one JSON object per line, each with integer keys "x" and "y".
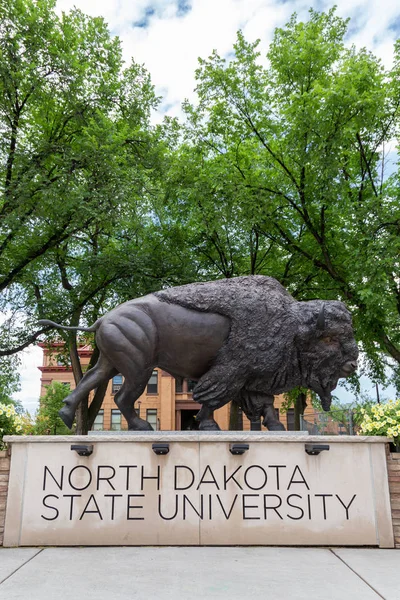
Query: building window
{"x": 151, "y": 417}
{"x": 179, "y": 385}
{"x": 98, "y": 424}
{"x": 191, "y": 385}
{"x": 290, "y": 419}
{"x": 116, "y": 420}
{"x": 116, "y": 383}
{"x": 63, "y": 361}
{"x": 152, "y": 386}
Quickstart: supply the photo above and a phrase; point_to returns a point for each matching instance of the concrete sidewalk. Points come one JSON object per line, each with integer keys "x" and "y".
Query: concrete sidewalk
{"x": 186, "y": 573}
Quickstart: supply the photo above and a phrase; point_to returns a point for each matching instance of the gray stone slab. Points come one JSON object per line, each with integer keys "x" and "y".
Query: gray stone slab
{"x": 12, "y": 559}
{"x": 199, "y": 435}
{"x": 282, "y": 437}
{"x": 380, "y": 568}
{"x": 187, "y": 574}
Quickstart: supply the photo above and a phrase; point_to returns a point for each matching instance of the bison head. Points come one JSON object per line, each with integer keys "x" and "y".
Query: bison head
{"x": 326, "y": 346}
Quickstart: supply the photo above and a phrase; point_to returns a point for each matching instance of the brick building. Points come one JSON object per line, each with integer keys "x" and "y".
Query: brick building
{"x": 167, "y": 404}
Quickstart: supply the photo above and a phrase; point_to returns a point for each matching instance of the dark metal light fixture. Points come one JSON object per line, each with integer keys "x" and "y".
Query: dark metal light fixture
{"x": 160, "y": 448}
{"x": 83, "y": 449}
{"x": 238, "y": 448}
{"x": 315, "y": 449}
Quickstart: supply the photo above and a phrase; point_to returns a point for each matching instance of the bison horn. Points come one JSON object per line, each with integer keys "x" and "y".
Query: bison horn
{"x": 321, "y": 318}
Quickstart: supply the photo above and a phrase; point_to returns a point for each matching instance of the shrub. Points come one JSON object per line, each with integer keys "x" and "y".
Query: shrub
{"x": 11, "y": 423}
{"x": 382, "y": 419}
{"x": 47, "y": 420}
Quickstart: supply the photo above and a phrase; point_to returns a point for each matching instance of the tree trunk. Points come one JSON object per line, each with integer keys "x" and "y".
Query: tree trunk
{"x": 96, "y": 403}
{"x": 299, "y": 407}
{"x": 74, "y": 357}
{"x": 235, "y": 417}
{"x": 82, "y": 421}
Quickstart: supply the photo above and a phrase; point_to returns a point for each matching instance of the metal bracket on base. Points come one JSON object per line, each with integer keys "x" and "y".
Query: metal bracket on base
{"x": 83, "y": 449}
{"x": 315, "y": 449}
{"x": 238, "y": 448}
{"x": 160, "y": 448}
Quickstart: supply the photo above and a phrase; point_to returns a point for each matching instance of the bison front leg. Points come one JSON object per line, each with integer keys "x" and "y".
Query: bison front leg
{"x": 206, "y": 420}
{"x": 213, "y": 390}
{"x": 270, "y": 421}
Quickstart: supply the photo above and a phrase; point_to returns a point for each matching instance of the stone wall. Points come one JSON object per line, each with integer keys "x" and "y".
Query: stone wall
{"x": 393, "y": 462}
{"x": 4, "y": 475}
{"x": 199, "y": 493}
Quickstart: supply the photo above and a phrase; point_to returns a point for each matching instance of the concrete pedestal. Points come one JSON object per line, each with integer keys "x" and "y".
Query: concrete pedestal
{"x": 274, "y": 493}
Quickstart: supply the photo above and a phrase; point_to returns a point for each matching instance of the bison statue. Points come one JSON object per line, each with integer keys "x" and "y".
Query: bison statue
{"x": 243, "y": 339}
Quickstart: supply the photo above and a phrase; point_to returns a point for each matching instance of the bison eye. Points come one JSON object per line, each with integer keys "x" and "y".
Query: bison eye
{"x": 327, "y": 339}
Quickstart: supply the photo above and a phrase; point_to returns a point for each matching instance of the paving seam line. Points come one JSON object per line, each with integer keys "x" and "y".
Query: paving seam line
{"x": 20, "y": 567}
{"x": 358, "y": 575}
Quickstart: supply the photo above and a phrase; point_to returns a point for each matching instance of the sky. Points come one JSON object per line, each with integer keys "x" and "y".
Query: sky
{"x": 168, "y": 36}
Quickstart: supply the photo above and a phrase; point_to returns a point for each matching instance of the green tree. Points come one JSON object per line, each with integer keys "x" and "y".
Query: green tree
{"x": 297, "y": 399}
{"x": 76, "y": 150}
{"x": 58, "y": 77}
{"x": 301, "y": 143}
{"x": 79, "y": 232}
{"x": 205, "y": 202}
{"x": 9, "y": 379}
{"x": 47, "y": 421}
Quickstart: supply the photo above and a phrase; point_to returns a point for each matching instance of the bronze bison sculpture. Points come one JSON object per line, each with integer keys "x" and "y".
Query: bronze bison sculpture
{"x": 244, "y": 339}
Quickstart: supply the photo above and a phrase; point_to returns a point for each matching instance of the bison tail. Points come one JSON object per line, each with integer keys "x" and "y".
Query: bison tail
{"x": 68, "y": 328}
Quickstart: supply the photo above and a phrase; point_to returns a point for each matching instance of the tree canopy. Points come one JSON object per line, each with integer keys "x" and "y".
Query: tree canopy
{"x": 290, "y": 147}
{"x": 280, "y": 168}
{"x": 77, "y": 171}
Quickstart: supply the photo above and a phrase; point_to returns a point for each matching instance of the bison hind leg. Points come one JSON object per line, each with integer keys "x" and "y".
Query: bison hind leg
{"x": 125, "y": 400}
{"x": 102, "y": 371}
{"x": 67, "y": 416}
{"x": 255, "y": 404}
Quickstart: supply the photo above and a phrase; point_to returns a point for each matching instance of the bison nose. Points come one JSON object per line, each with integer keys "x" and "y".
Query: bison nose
{"x": 348, "y": 368}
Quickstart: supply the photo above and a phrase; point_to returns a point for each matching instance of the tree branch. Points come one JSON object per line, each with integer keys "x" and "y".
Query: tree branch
{"x": 28, "y": 342}
{"x": 367, "y": 164}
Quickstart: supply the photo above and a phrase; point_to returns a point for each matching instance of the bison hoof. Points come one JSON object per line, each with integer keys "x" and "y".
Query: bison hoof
{"x": 274, "y": 426}
{"x": 140, "y": 425}
{"x": 67, "y": 416}
{"x": 209, "y": 425}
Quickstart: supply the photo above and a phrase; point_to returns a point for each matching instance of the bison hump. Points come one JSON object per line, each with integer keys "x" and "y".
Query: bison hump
{"x": 239, "y": 298}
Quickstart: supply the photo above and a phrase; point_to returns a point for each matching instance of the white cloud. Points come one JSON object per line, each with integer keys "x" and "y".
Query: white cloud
{"x": 169, "y": 45}
{"x": 31, "y": 359}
